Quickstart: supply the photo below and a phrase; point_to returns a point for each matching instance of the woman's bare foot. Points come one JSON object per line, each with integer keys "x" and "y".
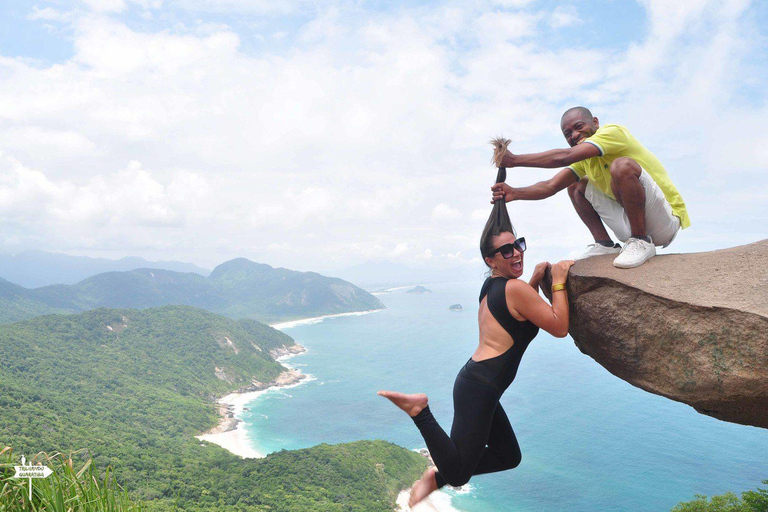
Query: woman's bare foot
{"x": 412, "y": 404}
{"x": 423, "y": 487}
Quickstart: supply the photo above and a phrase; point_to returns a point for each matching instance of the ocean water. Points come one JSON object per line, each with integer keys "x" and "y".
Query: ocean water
{"x": 590, "y": 441}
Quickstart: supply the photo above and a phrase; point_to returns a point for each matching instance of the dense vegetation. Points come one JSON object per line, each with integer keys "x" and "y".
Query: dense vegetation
{"x": 73, "y": 486}
{"x": 750, "y": 501}
{"x": 363, "y": 476}
{"x": 135, "y": 387}
{"x": 238, "y": 289}
{"x": 17, "y": 303}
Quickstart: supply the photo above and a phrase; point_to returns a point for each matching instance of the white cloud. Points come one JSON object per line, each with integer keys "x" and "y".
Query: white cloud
{"x": 511, "y": 3}
{"x": 260, "y": 7}
{"x": 426, "y": 255}
{"x": 58, "y": 143}
{"x": 399, "y": 250}
{"x": 105, "y": 5}
{"x": 127, "y": 199}
{"x": 564, "y": 16}
{"x": 47, "y": 13}
{"x": 111, "y": 50}
{"x": 361, "y": 134}
{"x": 445, "y": 212}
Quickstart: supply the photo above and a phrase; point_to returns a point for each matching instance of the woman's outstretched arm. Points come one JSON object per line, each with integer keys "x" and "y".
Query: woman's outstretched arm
{"x": 526, "y": 302}
{"x": 538, "y": 275}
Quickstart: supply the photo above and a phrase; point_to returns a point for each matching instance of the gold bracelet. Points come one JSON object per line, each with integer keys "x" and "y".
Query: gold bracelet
{"x": 557, "y": 287}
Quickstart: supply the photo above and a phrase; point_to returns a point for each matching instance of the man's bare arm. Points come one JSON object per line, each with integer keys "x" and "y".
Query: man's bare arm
{"x": 540, "y": 190}
{"x": 552, "y": 158}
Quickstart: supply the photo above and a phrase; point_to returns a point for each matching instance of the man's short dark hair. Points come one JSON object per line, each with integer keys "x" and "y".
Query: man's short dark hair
{"x": 584, "y": 111}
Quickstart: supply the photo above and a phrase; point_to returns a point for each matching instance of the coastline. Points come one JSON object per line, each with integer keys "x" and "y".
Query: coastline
{"x": 318, "y": 319}
{"x": 230, "y": 433}
{"x": 438, "y": 501}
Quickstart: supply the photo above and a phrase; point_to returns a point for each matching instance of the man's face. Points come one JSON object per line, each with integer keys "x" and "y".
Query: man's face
{"x": 577, "y": 127}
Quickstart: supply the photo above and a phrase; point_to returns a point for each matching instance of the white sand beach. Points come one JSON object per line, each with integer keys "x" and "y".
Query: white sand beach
{"x": 318, "y": 319}
{"x": 230, "y": 433}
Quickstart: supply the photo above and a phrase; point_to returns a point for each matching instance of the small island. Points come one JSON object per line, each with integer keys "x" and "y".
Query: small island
{"x": 456, "y": 307}
{"x": 419, "y": 289}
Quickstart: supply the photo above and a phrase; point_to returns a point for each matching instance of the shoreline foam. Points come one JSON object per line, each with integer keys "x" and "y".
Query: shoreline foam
{"x": 437, "y": 501}
{"x": 318, "y": 319}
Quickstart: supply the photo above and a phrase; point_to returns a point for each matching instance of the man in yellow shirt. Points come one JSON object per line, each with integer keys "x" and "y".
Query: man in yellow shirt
{"x": 612, "y": 180}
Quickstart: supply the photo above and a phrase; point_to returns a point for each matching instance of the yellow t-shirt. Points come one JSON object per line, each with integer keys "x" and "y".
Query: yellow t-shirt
{"x": 615, "y": 141}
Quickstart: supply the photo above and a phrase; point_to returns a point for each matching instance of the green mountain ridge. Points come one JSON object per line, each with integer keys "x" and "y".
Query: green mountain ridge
{"x": 135, "y": 386}
{"x": 238, "y": 288}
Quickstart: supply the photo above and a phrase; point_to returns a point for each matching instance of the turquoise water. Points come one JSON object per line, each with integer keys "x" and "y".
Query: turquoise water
{"x": 590, "y": 441}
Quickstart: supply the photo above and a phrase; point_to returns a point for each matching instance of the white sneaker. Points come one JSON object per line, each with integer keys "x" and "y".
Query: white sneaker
{"x": 598, "y": 250}
{"x": 635, "y": 252}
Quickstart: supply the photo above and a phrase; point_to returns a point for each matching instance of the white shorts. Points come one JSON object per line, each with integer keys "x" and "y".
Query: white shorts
{"x": 660, "y": 223}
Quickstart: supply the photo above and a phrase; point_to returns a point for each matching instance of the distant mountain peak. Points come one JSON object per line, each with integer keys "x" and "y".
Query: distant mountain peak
{"x": 239, "y": 266}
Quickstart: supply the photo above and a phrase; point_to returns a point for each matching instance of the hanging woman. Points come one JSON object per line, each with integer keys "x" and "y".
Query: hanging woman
{"x": 510, "y": 315}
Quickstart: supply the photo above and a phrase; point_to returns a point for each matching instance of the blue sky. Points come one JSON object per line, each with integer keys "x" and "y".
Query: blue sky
{"x": 356, "y": 131}
{"x": 52, "y": 42}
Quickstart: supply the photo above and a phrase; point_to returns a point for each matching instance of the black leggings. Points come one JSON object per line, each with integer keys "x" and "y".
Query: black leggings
{"x": 481, "y": 441}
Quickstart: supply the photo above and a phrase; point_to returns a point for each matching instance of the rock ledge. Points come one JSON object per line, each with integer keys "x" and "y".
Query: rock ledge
{"x": 690, "y": 327}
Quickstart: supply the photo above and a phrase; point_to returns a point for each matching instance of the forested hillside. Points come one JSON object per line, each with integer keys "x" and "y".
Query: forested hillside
{"x": 135, "y": 387}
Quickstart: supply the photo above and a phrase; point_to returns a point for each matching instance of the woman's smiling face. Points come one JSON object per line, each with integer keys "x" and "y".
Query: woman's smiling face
{"x": 512, "y": 267}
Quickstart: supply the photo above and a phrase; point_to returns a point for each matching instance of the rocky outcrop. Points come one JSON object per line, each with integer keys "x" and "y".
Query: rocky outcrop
{"x": 690, "y": 327}
{"x": 287, "y": 350}
{"x": 419, "y": 290}
{"x": 227, "y": 419}
{"x": 287, "y": 378}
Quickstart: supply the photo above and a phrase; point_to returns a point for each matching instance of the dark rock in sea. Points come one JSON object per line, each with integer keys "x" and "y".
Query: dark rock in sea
{"x": 419, "y": 289}
{"x": 456, "y": 307}
{"x": 690, "y": 327}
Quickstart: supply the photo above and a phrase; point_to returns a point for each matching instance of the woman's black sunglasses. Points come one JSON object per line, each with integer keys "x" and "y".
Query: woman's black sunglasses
{"x": 508, "y": 250}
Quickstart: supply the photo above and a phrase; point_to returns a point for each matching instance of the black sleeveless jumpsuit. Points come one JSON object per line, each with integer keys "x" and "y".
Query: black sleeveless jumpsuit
{"x": 481, "y": 440}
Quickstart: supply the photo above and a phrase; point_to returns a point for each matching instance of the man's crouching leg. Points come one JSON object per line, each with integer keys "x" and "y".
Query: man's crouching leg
{"x": 589, "y": 216}
{"x": 630, "y": 194}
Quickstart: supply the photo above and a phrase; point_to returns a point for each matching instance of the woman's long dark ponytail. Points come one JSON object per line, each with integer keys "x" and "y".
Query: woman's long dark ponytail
{"x": 499, "y": 221}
